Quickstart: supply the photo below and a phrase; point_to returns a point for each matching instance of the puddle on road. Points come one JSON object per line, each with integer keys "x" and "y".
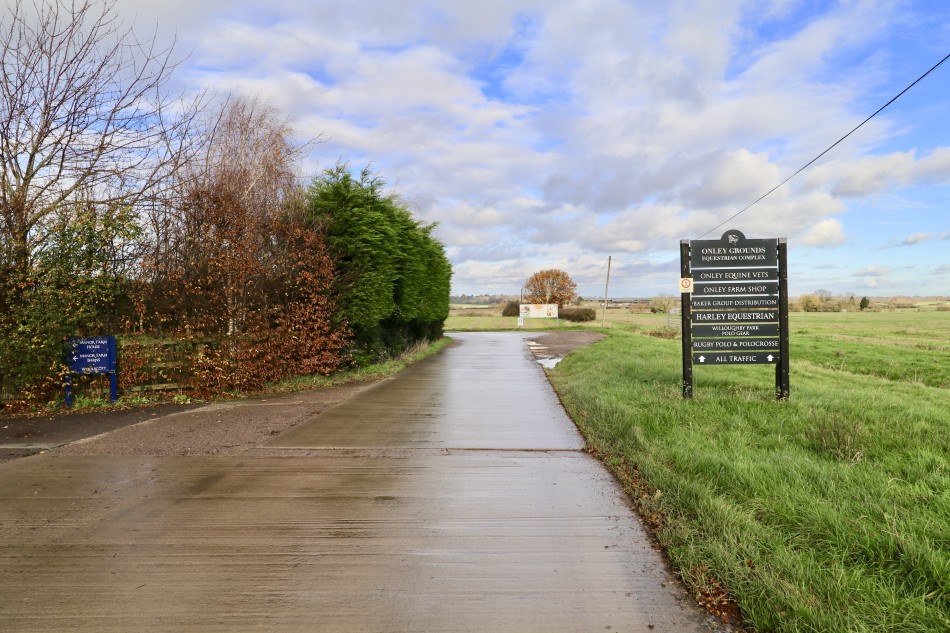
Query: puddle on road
{"x": 537, "y": 349}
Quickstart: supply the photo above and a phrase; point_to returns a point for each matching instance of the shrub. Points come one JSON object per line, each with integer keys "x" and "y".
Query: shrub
{"x": 512, "y": 309}
{"x": 662, "y": 304}
{"x": 577, "y": 315}
{"x": 809, "y": 303}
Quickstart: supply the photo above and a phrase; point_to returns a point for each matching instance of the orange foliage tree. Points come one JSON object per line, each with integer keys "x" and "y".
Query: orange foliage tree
{"x": 550, "y": 286}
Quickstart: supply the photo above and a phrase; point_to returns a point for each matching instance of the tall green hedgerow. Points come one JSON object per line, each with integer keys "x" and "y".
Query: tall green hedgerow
{"x": 392, "y": 275}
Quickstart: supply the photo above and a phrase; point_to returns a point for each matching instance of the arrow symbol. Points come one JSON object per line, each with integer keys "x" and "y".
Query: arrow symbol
{"x": 770, "y": 357}
{"x": 702, "y": 359}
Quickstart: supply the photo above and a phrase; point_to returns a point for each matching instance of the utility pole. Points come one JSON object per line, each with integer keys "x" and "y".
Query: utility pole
{"x": 603, "y": 322}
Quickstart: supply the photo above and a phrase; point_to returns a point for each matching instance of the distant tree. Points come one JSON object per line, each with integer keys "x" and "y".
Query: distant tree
{"x": 550, "y": 286}
{"x": 662, "y": 304}
{"x": 865, "y": 303}
{"x": 832, "y": 305}
{"x": 809, "y": 303}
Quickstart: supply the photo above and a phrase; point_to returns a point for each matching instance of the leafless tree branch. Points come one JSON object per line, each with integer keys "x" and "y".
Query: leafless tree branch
{"x": 83, "y": 112}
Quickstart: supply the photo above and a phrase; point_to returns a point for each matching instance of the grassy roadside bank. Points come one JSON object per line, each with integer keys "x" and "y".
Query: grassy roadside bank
{"x": 830, "y": 512}
{"x": 376, "y": 371}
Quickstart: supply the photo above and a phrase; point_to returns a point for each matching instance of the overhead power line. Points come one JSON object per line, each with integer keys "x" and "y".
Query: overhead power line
{"x": 813, "y": 160}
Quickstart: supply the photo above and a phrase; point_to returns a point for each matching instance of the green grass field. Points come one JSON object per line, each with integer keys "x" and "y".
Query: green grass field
{"x": 829, "y": 512}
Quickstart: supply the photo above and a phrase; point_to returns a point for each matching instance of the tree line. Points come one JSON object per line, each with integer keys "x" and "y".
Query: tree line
{"x": 184, "y": 225}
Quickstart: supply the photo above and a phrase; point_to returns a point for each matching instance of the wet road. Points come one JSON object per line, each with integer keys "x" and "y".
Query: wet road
{"x": 452, "y": 498}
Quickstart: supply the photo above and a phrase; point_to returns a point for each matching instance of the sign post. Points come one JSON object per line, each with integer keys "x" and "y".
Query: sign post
{"x": 685, "y": 311}
{"x": 92, "y": 356}
{"x": 781, "y": 369}
{"x": 735, "y": 305}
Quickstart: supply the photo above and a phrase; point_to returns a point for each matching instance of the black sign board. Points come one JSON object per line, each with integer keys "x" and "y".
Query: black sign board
{"x": 736, "y": 358}
{"x": 732, "y": 289}
{"x": 733, "y": 303}
{"x": 737, "y": 312}
{"x": 736, "y": 276}
{"x": 734, "y": 329}
{"x": 92, "y": 356}
{"x": 755, "y": 344}
{"x": 735, "y": 316}
{"x": 733, "y": 250}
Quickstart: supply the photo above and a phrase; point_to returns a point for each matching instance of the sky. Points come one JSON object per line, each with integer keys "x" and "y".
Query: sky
{"x": 555, "y": 133}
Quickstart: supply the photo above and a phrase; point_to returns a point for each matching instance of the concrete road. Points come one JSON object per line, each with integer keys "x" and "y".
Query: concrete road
{"x": 452, "y": 498}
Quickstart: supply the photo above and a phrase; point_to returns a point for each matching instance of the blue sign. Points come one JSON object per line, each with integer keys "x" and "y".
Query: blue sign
{"x": 92, "y": 356}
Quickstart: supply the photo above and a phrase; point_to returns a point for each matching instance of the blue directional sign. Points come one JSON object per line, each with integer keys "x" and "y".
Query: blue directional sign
{"x": 92, "y": 355}
{"x": 95, "y": 355}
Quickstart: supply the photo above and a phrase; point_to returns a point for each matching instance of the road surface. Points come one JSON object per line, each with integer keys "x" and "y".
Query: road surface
{"x": 455, "y": 497}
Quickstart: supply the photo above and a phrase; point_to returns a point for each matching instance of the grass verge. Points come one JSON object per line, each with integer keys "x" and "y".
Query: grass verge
{"x": 378, "y": 371}
{"x": 830, "y": 512}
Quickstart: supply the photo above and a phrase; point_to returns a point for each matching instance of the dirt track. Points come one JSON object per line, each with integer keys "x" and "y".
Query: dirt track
{"x": 559, "y": 343}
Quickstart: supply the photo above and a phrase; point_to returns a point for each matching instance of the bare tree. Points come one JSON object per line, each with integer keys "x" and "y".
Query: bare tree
{"x": 247, "y": 176}
{"x": 248, "y": 152}
{"x": 215, "y": 240}
{"x": 83, "y": 113}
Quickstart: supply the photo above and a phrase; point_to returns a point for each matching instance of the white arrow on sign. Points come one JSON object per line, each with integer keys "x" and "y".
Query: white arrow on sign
{"x": 702, "y": 359}
{"x": 770, "y": 357}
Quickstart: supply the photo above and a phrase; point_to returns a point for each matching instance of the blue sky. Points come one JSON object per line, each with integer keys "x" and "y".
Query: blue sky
{"x": 553, "y": 133}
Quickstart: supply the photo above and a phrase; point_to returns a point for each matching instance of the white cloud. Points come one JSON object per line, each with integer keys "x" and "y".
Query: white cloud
{"x": 540, "y": 131}
{"x": 872, "y": 271}
{"x": 735, "y": 179}
{"x": 828, "y": 232}
{"x": 916, "y": 238}
{"x": 872, "y": 174}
